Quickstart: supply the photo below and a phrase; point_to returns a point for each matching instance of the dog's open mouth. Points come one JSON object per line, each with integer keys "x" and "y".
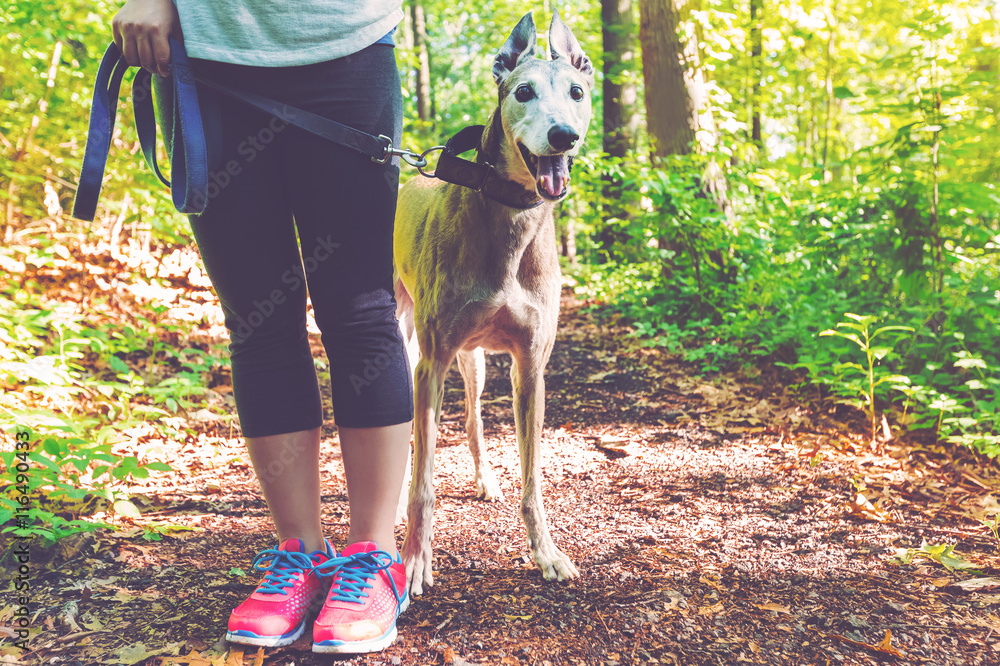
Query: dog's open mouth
{"x": 551, "y": 173}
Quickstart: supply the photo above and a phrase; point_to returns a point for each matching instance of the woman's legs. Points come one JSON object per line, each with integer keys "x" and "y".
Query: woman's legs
{"x": 287, "y": 467}
{"x": 344, "y": 206}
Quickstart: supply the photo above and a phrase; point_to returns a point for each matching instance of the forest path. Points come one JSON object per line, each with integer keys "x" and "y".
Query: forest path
{"x": 714, "y": 521}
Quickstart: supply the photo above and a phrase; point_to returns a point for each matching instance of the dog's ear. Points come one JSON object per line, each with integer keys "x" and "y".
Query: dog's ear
{"x": 563, "y": 46}
{"x": 520, "y": 44}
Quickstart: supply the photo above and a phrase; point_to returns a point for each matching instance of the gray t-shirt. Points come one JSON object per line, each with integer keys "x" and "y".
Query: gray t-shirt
{"x": 283, "y": 33}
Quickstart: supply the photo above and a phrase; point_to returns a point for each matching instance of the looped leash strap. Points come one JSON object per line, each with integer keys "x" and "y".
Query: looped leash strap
{"x": 189, "y": 154}
{"x": 189, "y": 161}
{"x": 189, "y": 168}
{"x": 102, "y": 125}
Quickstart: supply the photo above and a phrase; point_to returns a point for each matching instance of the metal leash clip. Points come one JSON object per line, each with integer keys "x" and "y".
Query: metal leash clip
{"x": 423, "y": 158}
{"x": 413, "y": 159}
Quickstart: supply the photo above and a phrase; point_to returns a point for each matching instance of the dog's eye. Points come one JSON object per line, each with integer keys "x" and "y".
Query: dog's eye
{"x": 523, "y": 93}
{"x": 576, "y": 92}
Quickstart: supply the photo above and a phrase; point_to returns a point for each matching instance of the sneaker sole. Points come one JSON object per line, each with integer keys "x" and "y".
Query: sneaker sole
{"x": 356, "y": 647}
{"x": 362, "y": 647}
{"x": 248, "y": 638}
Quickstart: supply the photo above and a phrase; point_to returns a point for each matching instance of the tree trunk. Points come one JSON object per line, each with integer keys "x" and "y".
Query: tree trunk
{"x": 675, "y": 85}
{"x": 827, "y": 175}
{"x": 422, "y": 74}
{"x": 756, "y": 70}
{"x": 677, "y": 114}
{"x": 621, "y": 116}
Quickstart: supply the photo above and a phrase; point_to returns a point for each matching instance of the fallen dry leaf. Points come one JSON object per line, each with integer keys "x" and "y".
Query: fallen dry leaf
{"x": 711, "y": 610}
{"x": 777, "y": 608}
{"x": 885, "y": 647}
{"x": 711, "y": 583}
{"x": 974, "y": 585}
{"x": 863, "y": 508}
{"x": 991, "y": 622}
{"x": 194, "y": 659}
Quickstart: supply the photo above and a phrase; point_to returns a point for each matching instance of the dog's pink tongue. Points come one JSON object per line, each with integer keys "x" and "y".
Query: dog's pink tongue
{"x": 553, "y": 174}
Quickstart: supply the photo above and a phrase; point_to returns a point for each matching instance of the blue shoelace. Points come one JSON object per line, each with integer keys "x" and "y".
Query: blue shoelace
{"x": 282, "y": 567}
{"x": 352, "y": 573}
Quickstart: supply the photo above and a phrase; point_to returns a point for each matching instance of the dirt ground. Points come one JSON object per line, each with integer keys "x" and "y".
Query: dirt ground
{"x": 714, "y": 520}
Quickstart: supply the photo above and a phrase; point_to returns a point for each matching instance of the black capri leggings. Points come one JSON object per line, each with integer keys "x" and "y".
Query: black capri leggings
{"x": 280, "y": 191}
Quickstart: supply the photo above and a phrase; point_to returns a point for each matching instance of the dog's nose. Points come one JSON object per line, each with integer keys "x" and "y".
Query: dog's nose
{"x": 562, "y": 137}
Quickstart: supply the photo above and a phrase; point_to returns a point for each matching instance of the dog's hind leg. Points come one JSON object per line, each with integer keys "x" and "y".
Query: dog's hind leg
{"x": 428, "y": 380}
{"x": 404, "y": 314}
{"x": 472, "y": 365}
{"x": 529, "y": 414}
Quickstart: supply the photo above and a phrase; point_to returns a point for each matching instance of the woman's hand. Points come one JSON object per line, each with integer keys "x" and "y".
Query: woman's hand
{"x": 141, "y": 29}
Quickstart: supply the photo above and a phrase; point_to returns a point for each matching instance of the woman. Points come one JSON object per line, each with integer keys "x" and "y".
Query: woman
{"x": 302, "y": 212}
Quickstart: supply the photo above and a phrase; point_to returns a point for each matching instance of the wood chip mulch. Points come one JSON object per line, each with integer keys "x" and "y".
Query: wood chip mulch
{"x": 715, "y": 520}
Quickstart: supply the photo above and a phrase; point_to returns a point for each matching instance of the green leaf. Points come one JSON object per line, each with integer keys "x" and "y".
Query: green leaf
{"x": 848, "y": 336}
{"x": 862, "y": 319}
{"x": 885, "y": 329}
{"x": 118, "y": 365}
{"x": 127, "y": 509}
{"x": 51, "y": 446}
{"x": 843, "y": 92}
{"x": 945, "y": 555}
{"x": 896, "y": 379}
{"x": 879, "y": 352}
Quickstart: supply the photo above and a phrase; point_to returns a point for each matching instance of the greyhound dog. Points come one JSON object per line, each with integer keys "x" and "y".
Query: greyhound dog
{"x": 474, "y": 272}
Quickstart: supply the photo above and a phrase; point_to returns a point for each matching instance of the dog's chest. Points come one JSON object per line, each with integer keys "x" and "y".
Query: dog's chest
{"x": 510, "y": 320}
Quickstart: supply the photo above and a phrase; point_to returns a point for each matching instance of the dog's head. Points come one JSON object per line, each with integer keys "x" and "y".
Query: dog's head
{"x": 544, "y": 106}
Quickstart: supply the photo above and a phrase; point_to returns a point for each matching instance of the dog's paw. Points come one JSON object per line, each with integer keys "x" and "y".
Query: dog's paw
{"x": 488, "y": 488}
{"x": 555, "y": 565}
{"x": 418, "y": 560}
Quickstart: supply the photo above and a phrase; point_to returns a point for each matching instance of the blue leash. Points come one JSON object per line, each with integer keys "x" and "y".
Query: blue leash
{"x": 190, "y": 154}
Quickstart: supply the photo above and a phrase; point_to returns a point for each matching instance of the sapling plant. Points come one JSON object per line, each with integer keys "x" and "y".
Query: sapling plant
{"x": 993, "y": 523}
{"x": 860, "y": 333}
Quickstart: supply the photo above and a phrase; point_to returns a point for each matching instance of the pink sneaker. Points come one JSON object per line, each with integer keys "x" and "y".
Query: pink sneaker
{"x": 277, "y": 611}
{"x": 367, "y": 595}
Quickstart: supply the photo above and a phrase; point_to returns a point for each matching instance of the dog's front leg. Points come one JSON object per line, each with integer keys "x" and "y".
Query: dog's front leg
{"x": 473, "y": 368}
{"x": 529, "y": 414}
{"x": 428, "y": 384}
